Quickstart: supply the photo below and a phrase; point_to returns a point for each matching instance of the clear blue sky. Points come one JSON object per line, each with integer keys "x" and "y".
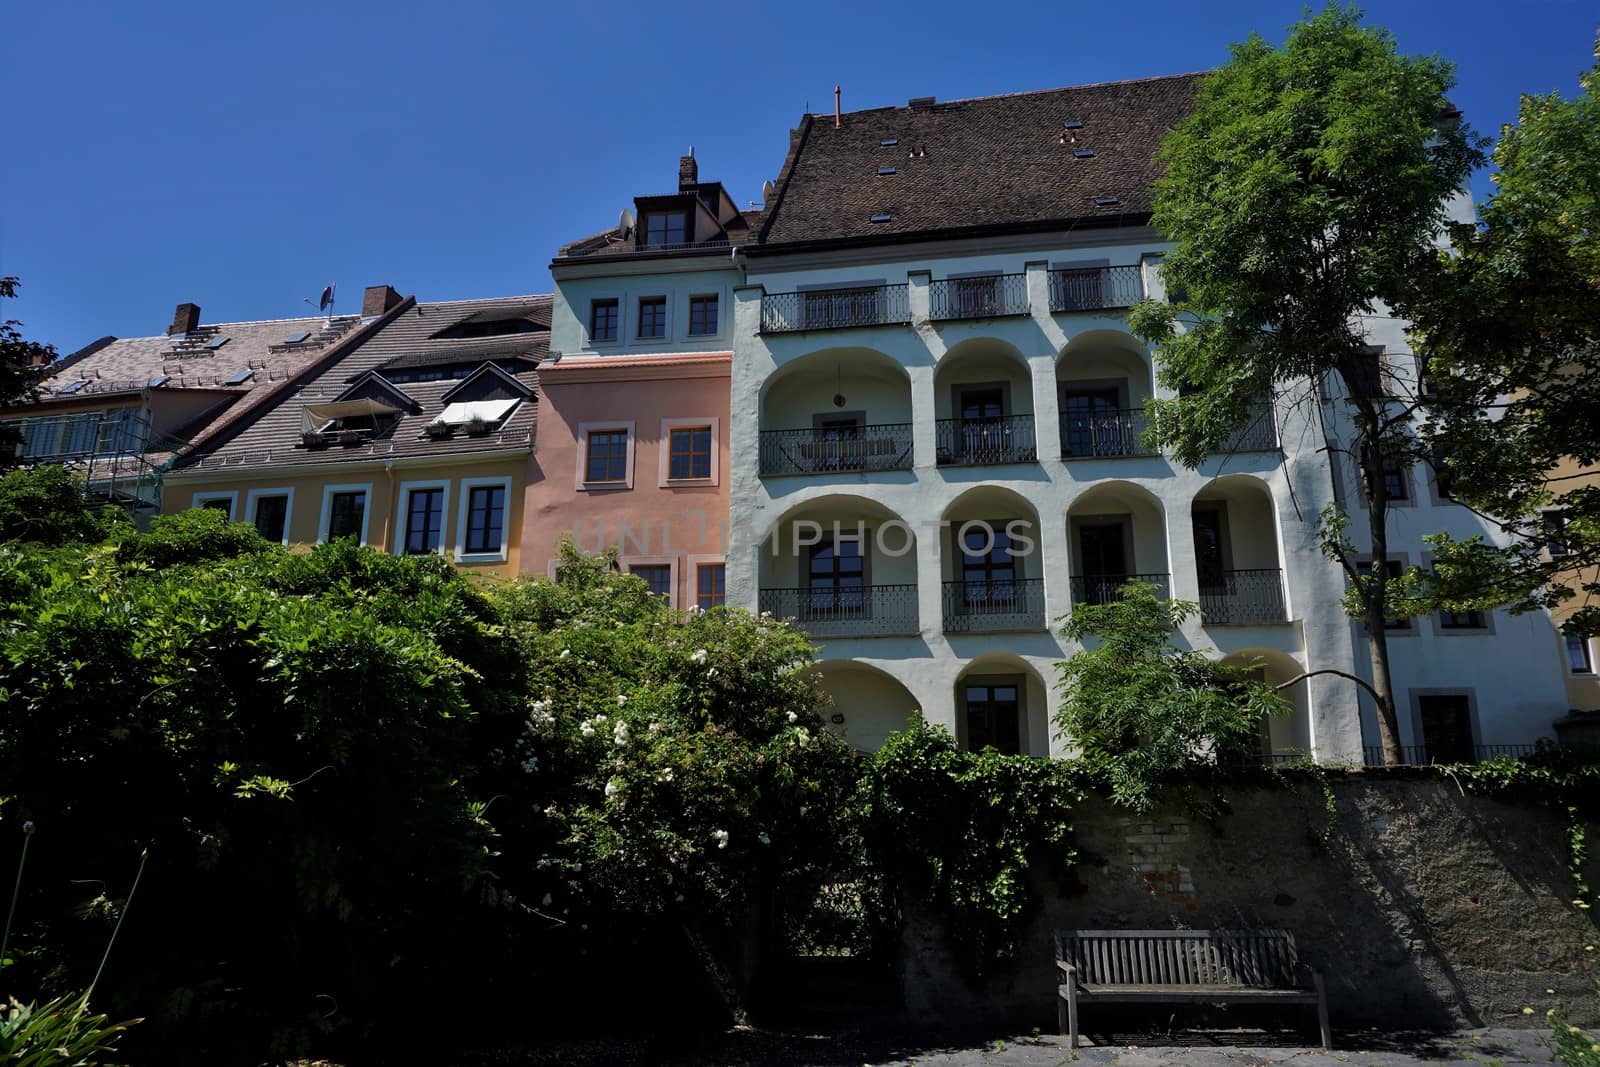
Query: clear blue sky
{"x": 244, "y": 155}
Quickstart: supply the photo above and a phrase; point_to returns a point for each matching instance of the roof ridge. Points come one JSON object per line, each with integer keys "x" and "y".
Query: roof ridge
{"x": 1024, "y": 92}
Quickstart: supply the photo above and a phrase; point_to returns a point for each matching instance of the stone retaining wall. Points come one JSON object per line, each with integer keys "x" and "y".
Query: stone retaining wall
{"x": 1424, "y": 908}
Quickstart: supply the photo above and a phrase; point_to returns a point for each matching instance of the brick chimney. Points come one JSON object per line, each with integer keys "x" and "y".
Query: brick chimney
{"x": 688, "y": 172}
{"x": 184, "y": 318}
{"x": 377, "y": 300}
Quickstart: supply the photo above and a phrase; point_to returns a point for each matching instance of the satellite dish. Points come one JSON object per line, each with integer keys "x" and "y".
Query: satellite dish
{"x": 768, "y": 190}
{"x": 326, "y": 303}
{"x": 625, "y": 222}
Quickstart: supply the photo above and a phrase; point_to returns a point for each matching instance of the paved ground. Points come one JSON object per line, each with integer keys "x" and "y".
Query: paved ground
{"x": 1490, "y": 1048}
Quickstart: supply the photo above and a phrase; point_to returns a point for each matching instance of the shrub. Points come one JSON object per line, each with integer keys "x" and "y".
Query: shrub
{"x": 46, "y": 506}
{"x": 1144, "y": 711}
{"x": 199, "y": 535}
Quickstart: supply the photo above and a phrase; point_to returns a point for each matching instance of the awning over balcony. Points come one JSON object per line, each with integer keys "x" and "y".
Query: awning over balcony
{"x": 490, "y": 411}
{"x": 314, "y": 417}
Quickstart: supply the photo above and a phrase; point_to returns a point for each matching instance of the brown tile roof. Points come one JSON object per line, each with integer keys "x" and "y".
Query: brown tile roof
{"x": 252, "y": 362}
{"x": 989, "y": 163}
{"x": 274, "y": 438}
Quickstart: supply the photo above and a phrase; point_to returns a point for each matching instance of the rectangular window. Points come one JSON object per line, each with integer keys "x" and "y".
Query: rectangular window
{"x": 836, "y": 581}
{"x": 1461, "y": 620}
{"x": 603, "y": 320}
{"x": 988, "y": 571}
{"x": 424, "y": 521}
{"x": 691, "y": 452}
{"x": 1446, "y": 727}
{"x": 702, "y": 315}
{"x": 711, "y": 583}
{"x": 607, "y": 460}
{"x": 1555, "y": 533}
{"x": 486, "y": 520}
{"x": 219, "y": 503}
{"x": 272, "y": 516}
{"x": 1441, "y": 474}
{"x": 665, "y": 227}
{"x": 658, "y": 576}
{"x": 1366, "y": 379}
{"x": 1395, "y": 486}
{"x": 994, "y": 717}
{"x": 345, "y": 514}
{"x": 1394, "y": 569}
{"x": 1578, "y": 658}
{"x": 652, "y": 316}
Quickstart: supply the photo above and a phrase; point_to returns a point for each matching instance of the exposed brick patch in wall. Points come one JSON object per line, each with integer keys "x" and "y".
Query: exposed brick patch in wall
{"x": 1154, "y": 847}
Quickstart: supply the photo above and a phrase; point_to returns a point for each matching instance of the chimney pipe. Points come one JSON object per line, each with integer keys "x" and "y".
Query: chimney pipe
{"x": 378, "y": 299}
{"x": 688, "y": 172}
{"x": 185, "y": 317}
{"x": 836, "y": 107}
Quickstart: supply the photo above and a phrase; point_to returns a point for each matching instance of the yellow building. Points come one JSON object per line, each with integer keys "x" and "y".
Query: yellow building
{"x": 417, "y": 438}
{"x": 1580, "y": 656}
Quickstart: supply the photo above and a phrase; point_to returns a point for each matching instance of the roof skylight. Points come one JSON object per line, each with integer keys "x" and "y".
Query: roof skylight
{"x": 1083, "y": 153}
{"x": 882, "y": 216}
{"x": 241, "y": 377}
{"x": 1072, "y": 124}
{"x": 884, "y": 172}
{"x": 1106, "y": 201}
{"x": 216, "y": 343}
{"x": 297, "y": 338}
{"x": 74, "y": 387}
{"x": 890, "y": 143}
{"x": 158, "y": 381}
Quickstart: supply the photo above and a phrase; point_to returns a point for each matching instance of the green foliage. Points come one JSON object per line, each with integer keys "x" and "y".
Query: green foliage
{"x": 1144, "y": 711}
{"x": 1510, "y": 323}
{"x": 196, "y": 536}
{"x": 674, "y": 763}
{"x": 45, "y": 506}
{"x": 22, "y": 366}
{"x": 60, "y": 1033}
{"x": 963, "y": 832}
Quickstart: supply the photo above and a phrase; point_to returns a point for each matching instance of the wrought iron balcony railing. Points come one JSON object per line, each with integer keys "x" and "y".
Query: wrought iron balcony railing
{"x": 847, "y": 611}
{"x": 1242, "y": 598}
{"x": 1423, "y": 755}
{"x": 993, "y": 605}
{"x": 1259, "y": 434}
{"x": 1105, "y": 434}
{"x": 985, "y": 441}
{"x": 1105, "y": 588}
{"x": 859, "y": 449}
{"x": 1091, "y": 288}
{"x": 988, "y": 297}
{"x": 833, "y": 309}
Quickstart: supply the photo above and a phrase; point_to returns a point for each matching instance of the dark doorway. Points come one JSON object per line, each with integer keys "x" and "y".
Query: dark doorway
{"x": 994, "y": 712}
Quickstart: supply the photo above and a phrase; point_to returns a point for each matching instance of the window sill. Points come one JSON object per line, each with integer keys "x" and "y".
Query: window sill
{"x": 688, "y": 483}
{"x": 480, "y": 557}
{"x": 603, "y": 487}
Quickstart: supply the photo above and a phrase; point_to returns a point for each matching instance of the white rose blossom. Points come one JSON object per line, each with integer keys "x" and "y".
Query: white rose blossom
{"x": 613, "y": 787}
{"x": 621, "y": 700}
{"x": 720, "y": 837}
{"x": 586, "y": 728}
{"x": 793, "y": 717}
{"x": 620, "y": 736}
{"x": 763, "y": 838}
{"x": 698, "y": 657}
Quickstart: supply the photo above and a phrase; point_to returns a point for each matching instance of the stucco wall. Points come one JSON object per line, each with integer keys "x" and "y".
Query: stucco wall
{"x": 1425, "y": 909}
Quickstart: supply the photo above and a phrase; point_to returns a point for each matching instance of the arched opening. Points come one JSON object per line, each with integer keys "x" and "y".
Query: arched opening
{"x": 841, "y": 410}
{"x": 1284, "y": 738}
{"x": 842, "y": 566}
{"x": 1103, "y": 378}
{"x": 1236, "y": 553}
{"x": 1116, "y": 531}
{"x": 983, "y": 400}
{"x": 867, "y": 704}
{"x": 990, "y": 563}
{"x": 1002, "y": 703}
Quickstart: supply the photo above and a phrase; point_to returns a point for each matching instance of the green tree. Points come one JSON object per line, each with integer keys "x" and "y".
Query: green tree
{"x": 1510, "y": 326}
{"x": 22, "y": 367}
{"x": 46, "y": 506}
{"x": 1306, "y": 190}
{"x": 1144, "y": 711}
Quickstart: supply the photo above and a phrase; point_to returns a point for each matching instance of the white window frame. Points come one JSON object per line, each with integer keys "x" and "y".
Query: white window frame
{"x": 1566, "y": 657}
{"x": 327, "y": 509}
{"x": 403, "y": 513}
{"x": 253, "y": 497}
{"x": 627, "y": 563}
{"x": 692, "y": 589}
{"x": 668, "y": 328}
{"x": 584, "y": 430}
{"x": 664, "y": 465}
{"x": 622, "y": 320}
{"x": 467, "y": 486}
{"x": 230, "y": 495}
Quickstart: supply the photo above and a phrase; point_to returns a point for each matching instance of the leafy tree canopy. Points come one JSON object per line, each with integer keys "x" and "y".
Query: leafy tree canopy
{"x": 22, "y": 364}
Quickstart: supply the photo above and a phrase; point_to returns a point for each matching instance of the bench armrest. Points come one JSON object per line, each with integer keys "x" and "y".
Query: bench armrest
{"x": 1066, "y": 972}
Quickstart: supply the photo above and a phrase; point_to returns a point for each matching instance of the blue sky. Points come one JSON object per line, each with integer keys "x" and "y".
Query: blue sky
{"x": 244, "y": 155}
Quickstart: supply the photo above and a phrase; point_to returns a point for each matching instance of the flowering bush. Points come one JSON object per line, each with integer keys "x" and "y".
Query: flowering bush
{"x": 674, "y": 766}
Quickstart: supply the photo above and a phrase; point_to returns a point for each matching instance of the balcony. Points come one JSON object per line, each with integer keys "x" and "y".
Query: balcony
{"x": 1259, "y": 434}
{"x": 994, "y": 296}
{"x": 1105, "y": 434}
{"x": 853, "y": 450}
{"x": 845, "y": 611}
{"x": 1107, "y": 588}
{"x": 1423, "y": 755}
{"x": 993, "y": 606}
{"x": 985, "y": 441}
{"x": 1093, "y": 288}
{"x": 1242, "y": 598}
{"x": 835, "y": 309}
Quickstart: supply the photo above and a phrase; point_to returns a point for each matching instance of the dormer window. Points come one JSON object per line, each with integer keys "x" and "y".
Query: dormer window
{"x": 666, "y": 228}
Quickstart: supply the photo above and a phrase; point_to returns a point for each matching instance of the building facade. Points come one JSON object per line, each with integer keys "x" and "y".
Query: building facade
{"x": 633, "y": 433}
{"x": 936, "y": 409}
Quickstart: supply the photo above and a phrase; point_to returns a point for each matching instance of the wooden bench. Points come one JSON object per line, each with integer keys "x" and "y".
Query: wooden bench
{"x": 1182, "y": 967}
